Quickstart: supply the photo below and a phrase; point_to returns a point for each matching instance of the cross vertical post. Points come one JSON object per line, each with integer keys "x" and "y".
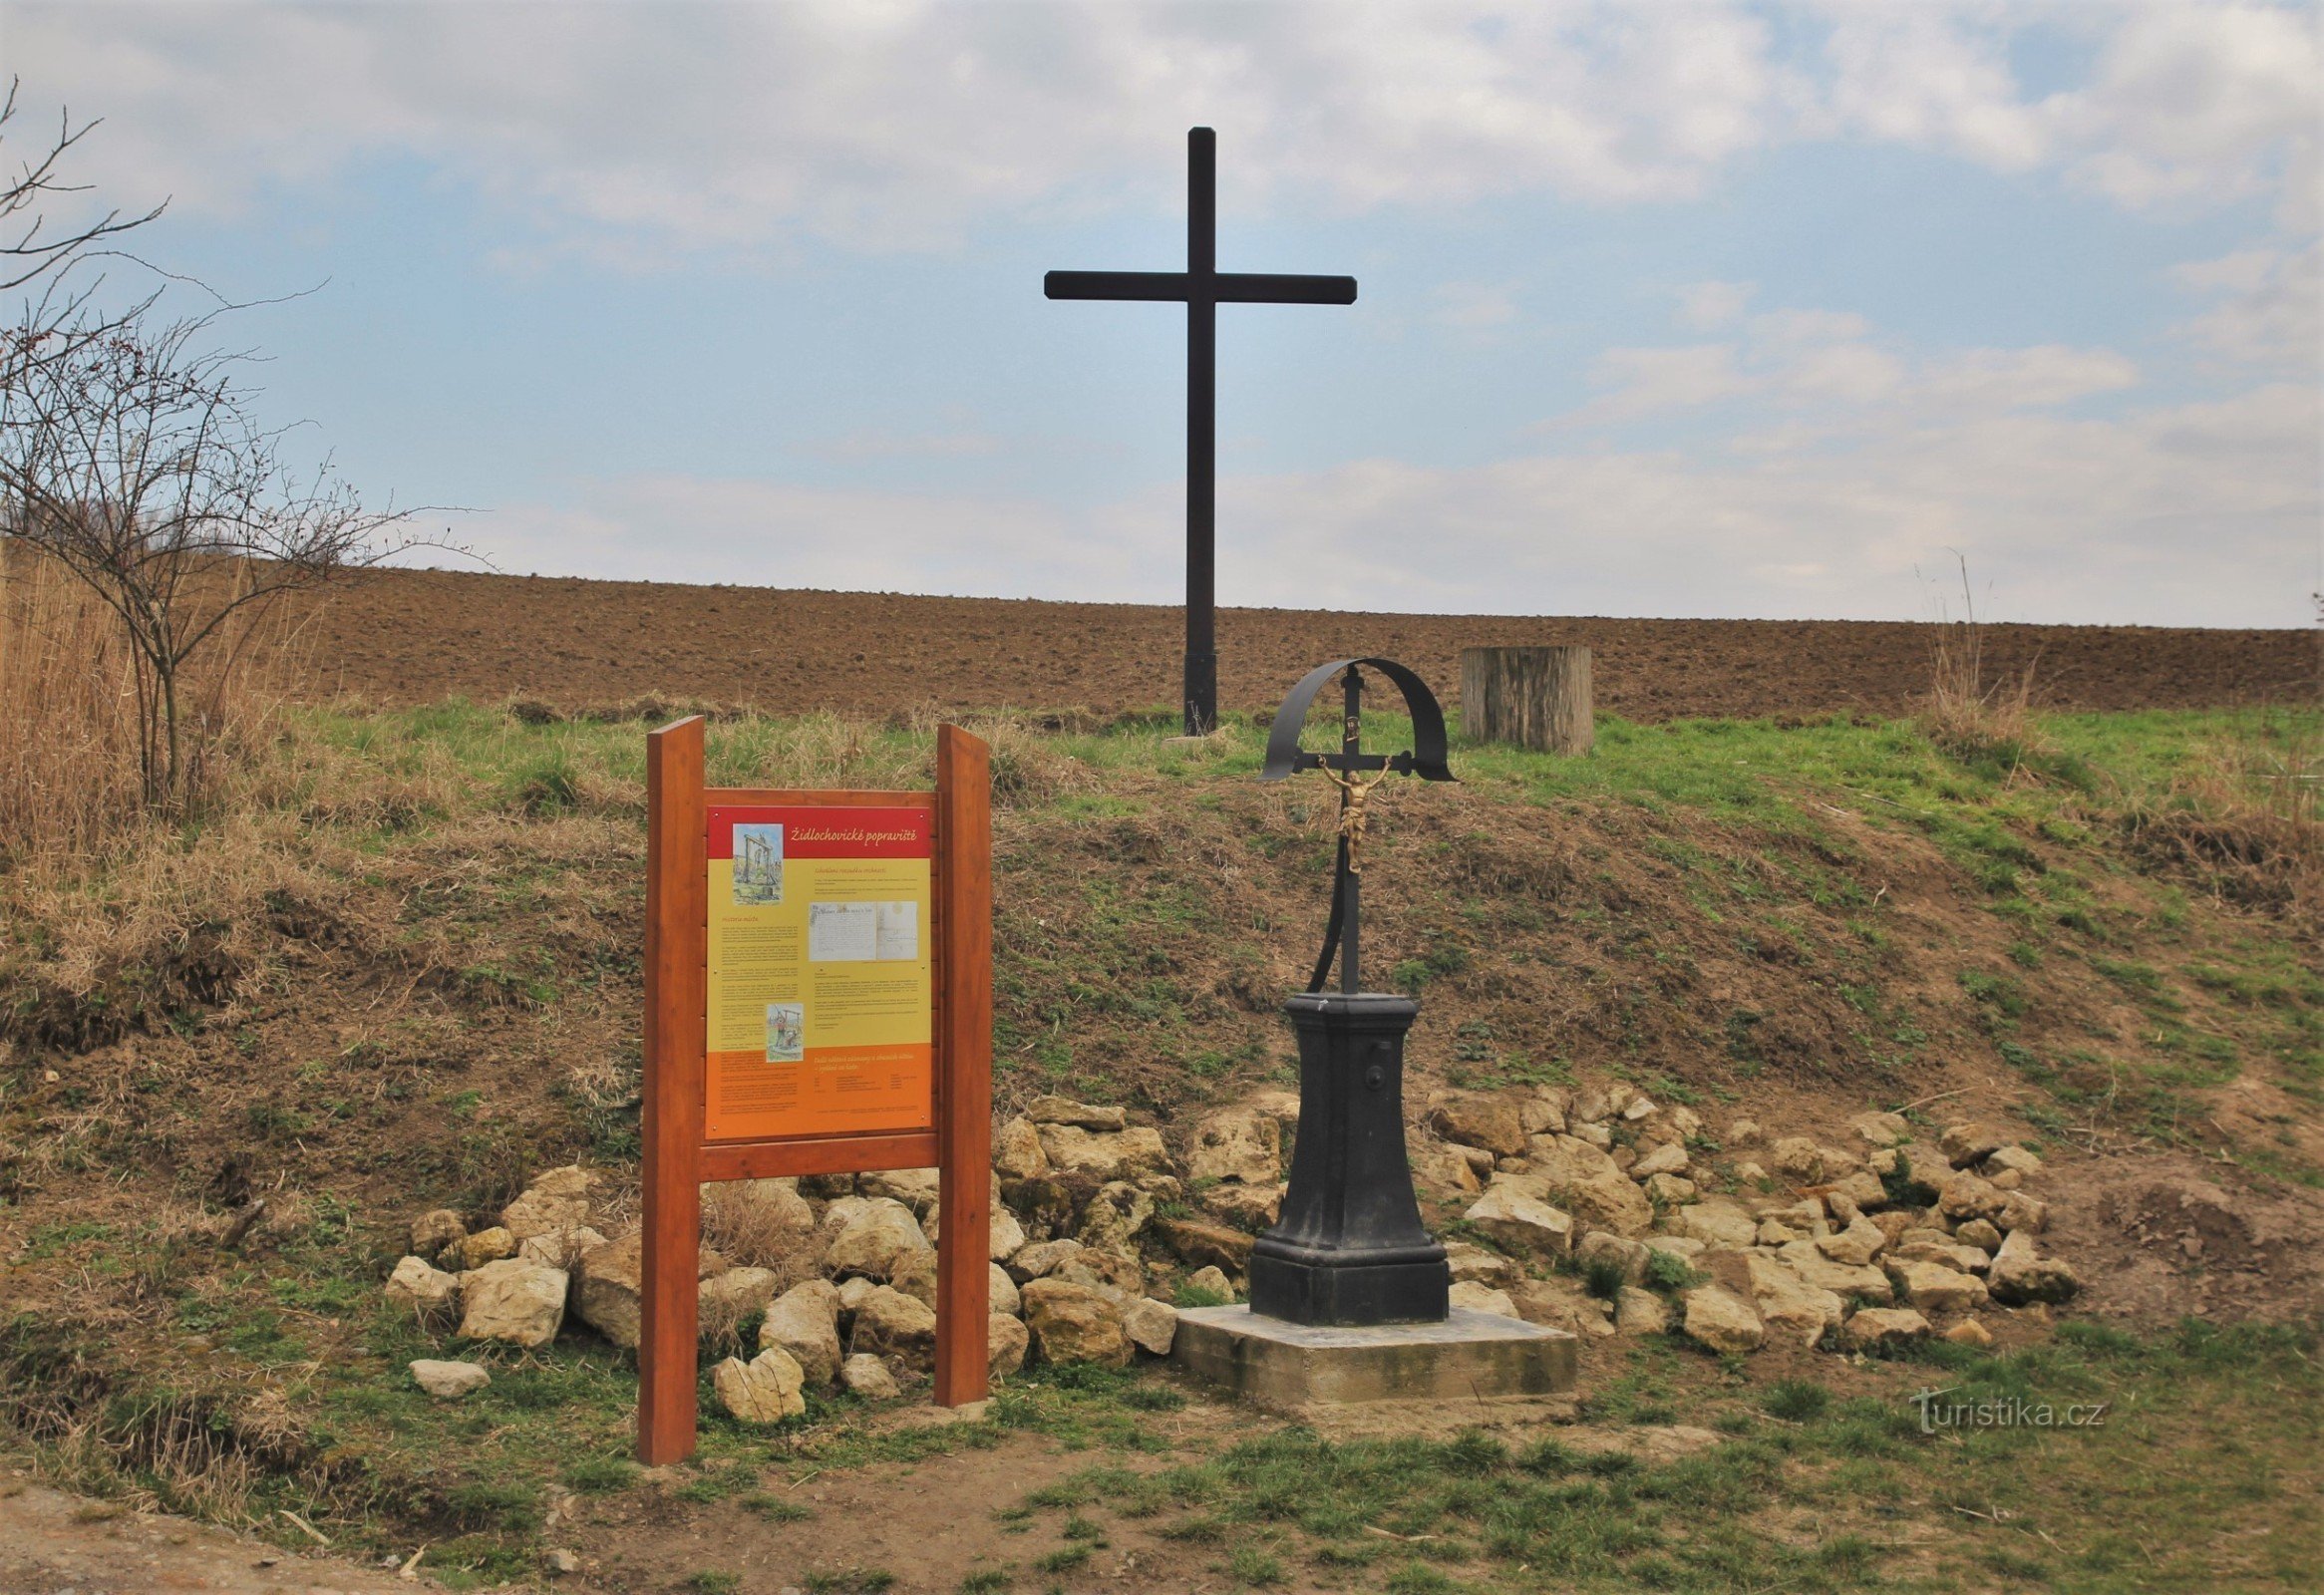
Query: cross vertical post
{"x": 1351, "y": 882}
{"x": 1201, "y": 287}
{"x": 1201, "y": 695}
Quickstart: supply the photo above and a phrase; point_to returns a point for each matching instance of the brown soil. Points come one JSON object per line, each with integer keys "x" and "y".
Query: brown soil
{"x": 402, "y": 637}
{"x": 57, "y": 1544}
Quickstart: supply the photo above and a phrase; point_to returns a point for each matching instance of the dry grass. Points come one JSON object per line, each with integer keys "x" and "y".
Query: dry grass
{"x": 1970, "y": 718}
{"x": 72, "y": 779}
{"x": 2248, "y": 816}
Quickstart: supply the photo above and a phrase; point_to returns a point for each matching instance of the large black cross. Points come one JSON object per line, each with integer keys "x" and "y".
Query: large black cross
{"x": 1204, "y": 287}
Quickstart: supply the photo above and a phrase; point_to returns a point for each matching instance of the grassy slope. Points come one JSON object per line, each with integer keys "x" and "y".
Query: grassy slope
{"x": 402, "y": 971}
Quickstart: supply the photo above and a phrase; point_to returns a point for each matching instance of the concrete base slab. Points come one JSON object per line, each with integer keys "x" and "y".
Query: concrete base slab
{"x": 1295, "y": 1368}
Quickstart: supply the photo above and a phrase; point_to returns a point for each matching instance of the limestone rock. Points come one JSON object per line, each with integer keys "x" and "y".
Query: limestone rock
{"x": 1639, "y": 1312}
{"x": 1043, "y": 1257}
{"x": 2017, "y": 1159}
{"x": 1717, "y": 1222}
{"x": 1570, "y": 1173}
{"x": 1970, "y": 1142}
{"x": 1602, "y": 1247}
{"x": 2019, "y": 1276}
{"x": 1017, "y": 1153}
{"x": 1116, "y": 1154}
{"x": 487, "y": 1246}
{"x": 1671, "y": 1190}
{"x": 1860, "y": 1243}
{"x": 1493, "y": 1123}
{"x": 1722, "y": 1321}
{"x": 1881, "y": 1130}
{"x": 1590, "y": 1133}
{"x": 805, "y": 1321}
{"x": 1475, "y": 1264}
{"x": 1981, "y": 1233}
{"x": 606, "y": 1291}
{"x": 1968, "y": 1332}
{"x": 1544, "y": 1112}
{"x": 766, "y": 1390}
{"x": 1120, "y": 1272}
{"x": 559, "y": 1248}
{"x": 1115, "y": 1217}
{"x": 1212, "y": 1281}
{"x": 1200, "y": 1245}
{"x": 1749, "y": 1174}
{"x": 917, "y": 1188}
{"x": 1238, "y": 1143}
{"x": 1741, "y": 1131}
{"x": 1842, "y": 1279}
{"x": 1001, "y": 1291}
{"x": 1005, "y": 1237}
{"x": 1559, "y": 1304}
{"x": 1771, "y": 1233}
{"x": 1438, "y": 1165}
{"x": 866, "y": 1375}
{"x": 892, "y": 1324}
{"x": 1484, "y": 1299}
{"x": 428, "y": 1292}
{"x": 558, "y": 1200}
{"x": 1962, "y": 1259}
{"x": 765, "y": 1220}
{"x": 1936, "y": 1288}
{"x": 1150, "y": 1325}
{"x": 1249, "y": 1207}
{"x": 1079, "y": 1115}
{"x": 1788, "y": 1303}
{"x": 1796, "y": 1157}
{"x": 1966, "y": 1195}
{"x": 1864, "y": 1188}
{"x": 2021, "y": 1211}
{"x": 1668, "y": 1159}
{"x": 1074, "y": 1323}
{"x": 449, "y": 1382}
{"x": 854, "y": 1293}
{"x": 1883, "y": 1326}
{"x": 1592, "y": 1103}
{"x": 514, "y": 1301}
{"x": 1520, "y": 1222}
{"x": 1005, "y": 1344}
{"x": 435, "y": 1230}
{"x": 873, "y": 1234}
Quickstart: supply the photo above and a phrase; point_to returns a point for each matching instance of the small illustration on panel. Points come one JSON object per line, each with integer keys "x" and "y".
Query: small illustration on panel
{"x": 758, "y": 866}
{"x": 785, "y": 1033}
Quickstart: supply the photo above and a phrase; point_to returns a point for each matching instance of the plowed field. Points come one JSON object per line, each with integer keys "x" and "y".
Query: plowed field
{"x": 401, "y": 637}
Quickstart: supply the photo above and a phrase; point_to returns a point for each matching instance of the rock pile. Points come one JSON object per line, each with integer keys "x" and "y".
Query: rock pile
{"x": 1606, "y": 1213}
{"x": 1848, "y": 1246}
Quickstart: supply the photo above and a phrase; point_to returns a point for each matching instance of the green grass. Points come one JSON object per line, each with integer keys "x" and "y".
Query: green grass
{"x": 2206, "y": 1444}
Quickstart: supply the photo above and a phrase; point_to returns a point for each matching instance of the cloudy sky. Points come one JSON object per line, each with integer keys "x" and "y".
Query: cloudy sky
{"x": 1665, "y": 309}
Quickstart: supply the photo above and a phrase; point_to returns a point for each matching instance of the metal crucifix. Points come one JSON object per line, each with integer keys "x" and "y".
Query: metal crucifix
{"x": 1348, "y": 769}
{"x": 1204, "y": 287}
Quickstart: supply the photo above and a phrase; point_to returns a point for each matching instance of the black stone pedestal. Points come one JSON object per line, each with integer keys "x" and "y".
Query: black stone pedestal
{"x": 1348, "y": 1248}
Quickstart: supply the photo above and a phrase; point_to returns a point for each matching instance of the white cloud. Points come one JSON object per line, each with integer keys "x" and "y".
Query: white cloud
{"x": 1475, "y": 306}
{"x": 636, "y": 131}
{"x": 1708, "y": 305}
{"x": 2179, "y": 514}
{"x": 2267, "y": 307}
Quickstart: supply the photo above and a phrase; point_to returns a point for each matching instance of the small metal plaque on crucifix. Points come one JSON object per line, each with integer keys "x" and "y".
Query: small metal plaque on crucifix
{"x": 1350, "y": 1249}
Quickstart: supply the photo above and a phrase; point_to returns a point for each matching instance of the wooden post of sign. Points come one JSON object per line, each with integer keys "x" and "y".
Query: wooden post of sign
{"x": 1533, "y": 697}
{"x": 677, "y": 915}
{"x": 964, "y": 1082}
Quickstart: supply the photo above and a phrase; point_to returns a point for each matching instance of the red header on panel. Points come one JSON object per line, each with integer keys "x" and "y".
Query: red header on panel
{"x": 831, "y": 833}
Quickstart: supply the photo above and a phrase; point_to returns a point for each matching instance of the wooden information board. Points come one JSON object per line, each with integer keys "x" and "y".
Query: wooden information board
{"x": 819, "y": 1000}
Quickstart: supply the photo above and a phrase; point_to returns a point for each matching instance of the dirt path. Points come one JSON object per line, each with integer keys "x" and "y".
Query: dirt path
{"x": 52, "y": 1543}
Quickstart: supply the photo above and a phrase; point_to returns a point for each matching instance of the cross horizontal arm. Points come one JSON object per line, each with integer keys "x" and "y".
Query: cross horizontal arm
{"x": 1230, "y": 287}
{"x": 1399, "y": 763}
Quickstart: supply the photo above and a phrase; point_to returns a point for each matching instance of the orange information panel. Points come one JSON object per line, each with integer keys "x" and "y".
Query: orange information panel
{"x": 819, "y": 989}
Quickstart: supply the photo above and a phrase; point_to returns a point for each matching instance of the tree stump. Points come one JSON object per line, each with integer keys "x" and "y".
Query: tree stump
{"x": 1533, "y": 697}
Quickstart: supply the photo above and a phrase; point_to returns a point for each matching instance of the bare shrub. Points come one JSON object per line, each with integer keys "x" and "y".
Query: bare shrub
{"x": 1975, "y": 721}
